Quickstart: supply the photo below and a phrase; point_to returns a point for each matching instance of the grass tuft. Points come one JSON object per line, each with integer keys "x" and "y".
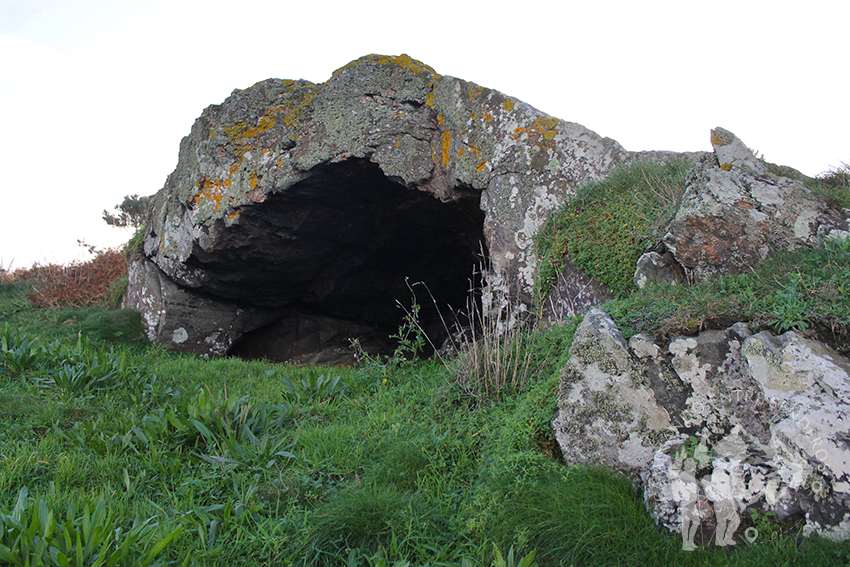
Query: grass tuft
{"x": 834, "y": 185}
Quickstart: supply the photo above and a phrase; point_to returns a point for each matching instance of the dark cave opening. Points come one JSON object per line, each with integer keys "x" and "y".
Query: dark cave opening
{"x": 338, "y": 255}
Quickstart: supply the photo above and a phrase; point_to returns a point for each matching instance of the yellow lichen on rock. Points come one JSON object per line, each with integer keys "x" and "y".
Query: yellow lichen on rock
{"x": 545, "y": 127}
{"x": 430, "y": 100}
{"x": 290, "y": 111}
{"x": 447, "y": 144}
{"x": 716, "y": 139}
{"x": 210, "y": 190}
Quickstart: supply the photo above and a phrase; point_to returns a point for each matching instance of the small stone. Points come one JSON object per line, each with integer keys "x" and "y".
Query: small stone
{"x": 653, "y": 267}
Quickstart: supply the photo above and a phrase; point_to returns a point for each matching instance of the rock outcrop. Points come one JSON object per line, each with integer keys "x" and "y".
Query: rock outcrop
{"x": 293, "y": 199}
{"x": 734, "y": 214}
{"x": 726, "y": 423}
{"x": 713, "y": 427}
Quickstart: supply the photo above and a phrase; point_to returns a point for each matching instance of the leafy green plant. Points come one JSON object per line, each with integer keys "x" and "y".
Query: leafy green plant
{"x": 79, "y": 380}
{"x": 35, "y": 536}
{"x": 410, "y": 338}
{"x": 314, "y": 390}
{"x": 789, "y": 309}
{"x": 19, "y": 354}
{"x": 222, "y": 430}
{"x": 78, "y": 372}
{"x": 511, "y": 560}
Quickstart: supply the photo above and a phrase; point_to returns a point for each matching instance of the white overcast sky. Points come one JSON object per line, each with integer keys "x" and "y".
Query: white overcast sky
{"x": 95, "y": 95}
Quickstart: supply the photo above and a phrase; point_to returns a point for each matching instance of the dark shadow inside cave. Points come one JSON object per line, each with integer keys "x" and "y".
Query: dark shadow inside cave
{"x": 333, "y": 256}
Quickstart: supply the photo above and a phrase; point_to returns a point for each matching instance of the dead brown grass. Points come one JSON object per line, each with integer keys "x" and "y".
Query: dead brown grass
{"x": 79, "y": 284}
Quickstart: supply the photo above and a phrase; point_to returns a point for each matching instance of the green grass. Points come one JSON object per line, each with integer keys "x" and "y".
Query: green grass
{"x": 610, "y": 223}
{"x": 230, "y": 462}
{"x": 807, "y": 290}
{"x": 834, "y": 186}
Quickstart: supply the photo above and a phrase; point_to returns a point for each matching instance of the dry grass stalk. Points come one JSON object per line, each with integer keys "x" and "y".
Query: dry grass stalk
{"x": 79, "y": 284}
{"x": 496, "y": 357}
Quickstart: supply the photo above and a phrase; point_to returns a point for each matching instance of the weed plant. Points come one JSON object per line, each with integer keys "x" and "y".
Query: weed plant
{"x": 834, "y": 186}
{"x": 494, "y": 358}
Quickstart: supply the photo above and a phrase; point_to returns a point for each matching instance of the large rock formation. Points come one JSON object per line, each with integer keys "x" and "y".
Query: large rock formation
{"x": 763, "y": 420}
{"x": 726, "y": 423}
{"x": 734, "y": 214}
{"x": 294, "y": 200}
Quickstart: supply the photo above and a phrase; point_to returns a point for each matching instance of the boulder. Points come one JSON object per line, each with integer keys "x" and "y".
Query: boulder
{"x": 609, "y": 413}
{"x": 713, "y": 427}
{"x": 331, "y": 200}
{"x": 735, "y": 213}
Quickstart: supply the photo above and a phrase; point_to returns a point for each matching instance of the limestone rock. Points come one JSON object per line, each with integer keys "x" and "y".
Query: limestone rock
{"x": 326, "y": 198}
{"x": 709, "y": 424}
{"x": 735, "y": 213}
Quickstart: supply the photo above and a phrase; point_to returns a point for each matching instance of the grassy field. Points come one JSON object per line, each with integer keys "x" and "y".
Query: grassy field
{"x": 116, "y": 452}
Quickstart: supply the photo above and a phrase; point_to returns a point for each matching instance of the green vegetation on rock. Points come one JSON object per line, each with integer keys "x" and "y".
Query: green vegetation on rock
{"x": 807, "y": 290}
{"x": 610, "y": 223}
{"x": 834, "y": 185}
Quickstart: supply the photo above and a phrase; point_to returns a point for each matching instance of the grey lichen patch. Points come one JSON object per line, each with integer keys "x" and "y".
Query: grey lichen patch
{"x": 570, "y": 374}
{"x": 776, "y": 373}
{"x": 604, "y": 396}
{"x": 639, "y": 374}
{"x": 598, "y": 341}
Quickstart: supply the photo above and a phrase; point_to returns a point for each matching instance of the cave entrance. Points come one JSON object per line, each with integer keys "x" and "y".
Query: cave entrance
{"x": 334, "y": 255}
